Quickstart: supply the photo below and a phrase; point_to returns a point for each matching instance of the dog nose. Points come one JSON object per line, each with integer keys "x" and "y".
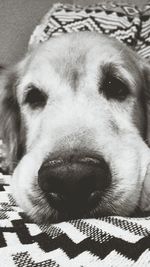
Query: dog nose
{"x": 76, "y": 184}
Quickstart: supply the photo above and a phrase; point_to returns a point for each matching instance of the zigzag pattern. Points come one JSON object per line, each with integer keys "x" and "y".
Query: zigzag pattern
{"x": 47, "y": 243}
{"x": 27, "y": 260}
{"x": 144, "y": 38}
{"x": 101, "y": 249}
{"x": 85, "y": 260}
{"x": 130, "y": 250}
{"x": 123, "y": 24}
{"x": 127, "y": 225}
{"x": 128, "y": 24}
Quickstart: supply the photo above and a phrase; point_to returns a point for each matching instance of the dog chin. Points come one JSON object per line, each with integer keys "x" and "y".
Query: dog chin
{"x": 50, "y": 215}
{"x": 119, "y": 200}
{"x": 42, "y": 213}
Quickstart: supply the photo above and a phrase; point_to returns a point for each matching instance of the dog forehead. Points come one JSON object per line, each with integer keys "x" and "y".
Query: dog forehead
{"x": 71, "y": 57}
{"x": 74, "y": 49}
{"x": 74, "y": 55}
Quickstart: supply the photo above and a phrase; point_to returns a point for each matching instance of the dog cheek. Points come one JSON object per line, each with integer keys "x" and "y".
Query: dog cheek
{"x": 128, "y": 163}
{"x": 22, "y": 180}
{"x": 26, "y": 192}
{"x": 139, "y": 116}
{"x": 20, "y": 149}
{"x": 145, "y": 195}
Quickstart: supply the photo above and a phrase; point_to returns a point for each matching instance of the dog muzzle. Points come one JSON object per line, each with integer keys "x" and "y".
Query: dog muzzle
{"x": 74, "y": 183}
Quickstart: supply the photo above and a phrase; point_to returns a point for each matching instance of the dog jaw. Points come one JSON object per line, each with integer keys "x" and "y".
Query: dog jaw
{"x": 117, "y": 200}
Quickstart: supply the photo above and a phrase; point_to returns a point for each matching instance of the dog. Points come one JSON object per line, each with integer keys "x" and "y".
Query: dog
{"x": 75, "y": 121}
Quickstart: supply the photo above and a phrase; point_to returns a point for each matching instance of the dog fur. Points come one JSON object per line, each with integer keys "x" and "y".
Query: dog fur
{"x": 77, "y": 113}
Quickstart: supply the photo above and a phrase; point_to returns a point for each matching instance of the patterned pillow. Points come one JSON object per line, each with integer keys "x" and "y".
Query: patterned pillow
{"x": 120, "y": 21}
{"x": 144, "y": 36}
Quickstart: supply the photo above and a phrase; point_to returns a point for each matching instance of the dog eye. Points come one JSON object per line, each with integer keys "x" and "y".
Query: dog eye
{"x": 35, "y": 97}
{"x": 115, "y": 88}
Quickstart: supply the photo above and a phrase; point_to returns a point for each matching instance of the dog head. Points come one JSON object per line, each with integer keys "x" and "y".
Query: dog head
{"x": 74, "y": 117}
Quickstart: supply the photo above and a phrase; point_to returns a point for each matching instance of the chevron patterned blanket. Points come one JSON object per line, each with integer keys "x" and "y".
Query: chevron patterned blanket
{"x": 108, "y": 241}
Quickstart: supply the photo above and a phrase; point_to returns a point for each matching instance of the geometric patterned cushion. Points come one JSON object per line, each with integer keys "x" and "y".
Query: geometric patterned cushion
{"x": 120, "y": 21}
{"x": 144, "y": 37}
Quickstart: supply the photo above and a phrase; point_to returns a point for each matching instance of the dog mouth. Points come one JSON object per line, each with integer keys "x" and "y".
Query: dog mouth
{"x": 74, "y": 208}
{"x": 74, "y": 185}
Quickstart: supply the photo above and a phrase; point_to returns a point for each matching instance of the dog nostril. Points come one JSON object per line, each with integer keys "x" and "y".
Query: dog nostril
{"x": 56, "y": 200}
{"x": 55, "y": 196}
{"x": 94, "y": 198}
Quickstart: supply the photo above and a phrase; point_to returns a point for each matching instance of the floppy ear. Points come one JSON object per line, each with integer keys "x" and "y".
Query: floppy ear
{"x": 10, "y": 120}
{"x": 146, "y": 72}
{"x": 145, "y": 195}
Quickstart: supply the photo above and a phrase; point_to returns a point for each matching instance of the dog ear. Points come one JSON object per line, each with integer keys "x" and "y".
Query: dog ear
{"x": 146, "y": 91}
{"x": 145, "y": 194}
{"x": 10, "y": 122}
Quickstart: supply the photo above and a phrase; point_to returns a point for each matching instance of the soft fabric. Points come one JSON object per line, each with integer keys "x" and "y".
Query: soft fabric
{"x": 108, "y": 241}
{"x": 144, "y": 36}
{"x": 126, "y": 23}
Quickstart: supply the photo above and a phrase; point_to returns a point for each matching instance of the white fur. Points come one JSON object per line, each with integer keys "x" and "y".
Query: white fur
{"x": 78, "y": 118}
